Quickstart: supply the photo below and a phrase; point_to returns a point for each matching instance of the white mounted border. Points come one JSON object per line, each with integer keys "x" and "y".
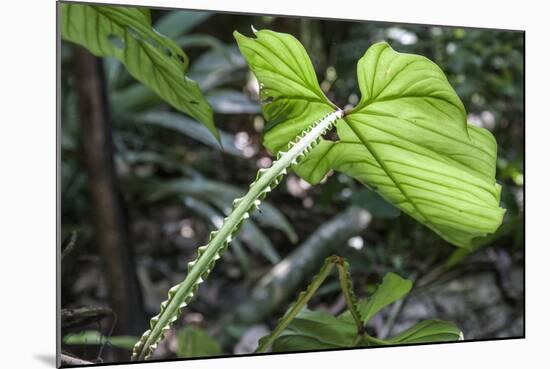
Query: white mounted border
{"x": 28, "y": 154}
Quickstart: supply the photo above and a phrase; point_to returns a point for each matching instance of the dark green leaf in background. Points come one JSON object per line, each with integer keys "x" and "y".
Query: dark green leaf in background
{"x": 96, "y": 338}
{"x": 313, "y": 330}
{"x": 188, "y": 127}
{"x": 177, "y": 23}
{"x": 231, "y": 102}
{"x": 221, "y": 195}
{"x": 158, "y": 62}
{"x": 375, "y": 204}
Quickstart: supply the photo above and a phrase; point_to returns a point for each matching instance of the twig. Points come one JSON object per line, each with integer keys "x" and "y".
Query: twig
{"x": 82, "y": 316}
{"x": 347, "y": 290}
{"x": 303, "y": 298}
{"x": 69, "y": 246}
{"x": 71, "y": 360}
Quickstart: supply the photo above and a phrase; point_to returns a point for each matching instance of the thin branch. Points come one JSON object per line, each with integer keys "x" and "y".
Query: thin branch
{"x": 303, "y": 298}
{"x": 71, "y": 360}
{"x": 347, "y": 289}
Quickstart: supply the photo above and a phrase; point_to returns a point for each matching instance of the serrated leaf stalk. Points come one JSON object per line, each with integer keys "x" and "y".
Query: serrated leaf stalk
{"x": 181, "y": 294}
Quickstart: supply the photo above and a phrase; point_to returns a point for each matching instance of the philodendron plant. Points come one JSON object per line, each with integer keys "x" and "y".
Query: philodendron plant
{"x": 407, "y": 138}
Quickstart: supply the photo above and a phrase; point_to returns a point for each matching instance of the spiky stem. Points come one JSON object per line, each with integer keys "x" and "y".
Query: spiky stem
{"x": 181, "y": 294}
{"x": 349, "y": 296}
{"x": 302, "y": 300}
{"x": 345, "y": 284}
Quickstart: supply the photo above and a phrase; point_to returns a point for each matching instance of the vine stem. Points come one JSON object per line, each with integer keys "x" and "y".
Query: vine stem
{"x": 374, "y": 340}
{"x": 370, "y": 339}
{"x": 303, "y": 299}
{"x": 345, "y": 284}
{"x": 351, "y": 300}
{"x": 358, "y": 338}
{"x": 181, "y": 294}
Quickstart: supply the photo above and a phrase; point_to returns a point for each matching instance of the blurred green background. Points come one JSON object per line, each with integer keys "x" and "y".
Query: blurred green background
{"x": 177, "y": 184}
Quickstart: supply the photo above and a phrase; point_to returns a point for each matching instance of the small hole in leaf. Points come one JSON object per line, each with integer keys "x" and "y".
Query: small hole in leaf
{"x": 267, "y": 100}
{"x": 331, "y": 135}
{"x": 168, "y": 52}
{"x": 116, "y": 41}
{"x": 180, "y": 58}
{"x": 142, "y": 38}
{"x": 194, "y": 102}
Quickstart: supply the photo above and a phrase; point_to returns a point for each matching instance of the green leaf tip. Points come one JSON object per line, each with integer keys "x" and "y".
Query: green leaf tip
{"x": 288, "y": 85}
{"x": 407, "y": 138}
{"x": 392, "y": 288}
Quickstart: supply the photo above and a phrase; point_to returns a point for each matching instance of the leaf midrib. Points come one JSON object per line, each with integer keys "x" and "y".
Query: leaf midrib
{"x": 383, "y": 166}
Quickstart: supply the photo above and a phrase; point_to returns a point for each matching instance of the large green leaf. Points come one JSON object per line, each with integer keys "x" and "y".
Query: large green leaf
{"x": 428, "y": 331}
{"x": 392, "y": 288}
{"x": 408, "y": 138}
{"x": 313, "y": 330}
{"x": 126, "y": 34}
{"x": 189, "y": 127}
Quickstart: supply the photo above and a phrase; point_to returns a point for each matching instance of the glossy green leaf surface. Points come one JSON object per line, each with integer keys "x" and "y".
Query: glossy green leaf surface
{"x": 428, "y": 331}
{"x": 392, "y": 288}
{"x": 407, "y": 138}
{"x": 312, "y": 330}
{"x": 126, "y": 34}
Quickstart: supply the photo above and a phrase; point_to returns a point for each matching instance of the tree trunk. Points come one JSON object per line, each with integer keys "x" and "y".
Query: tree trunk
{"x": 105, "y": 201}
